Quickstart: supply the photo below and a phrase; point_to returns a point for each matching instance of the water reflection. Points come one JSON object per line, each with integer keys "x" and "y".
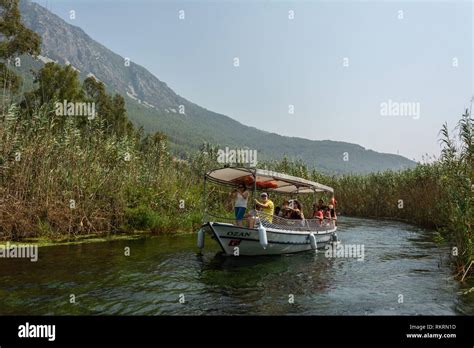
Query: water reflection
{"x": 399, "y": 259}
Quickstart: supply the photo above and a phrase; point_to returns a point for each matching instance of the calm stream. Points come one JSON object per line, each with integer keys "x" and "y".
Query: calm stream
{"x": 399, "y": 260}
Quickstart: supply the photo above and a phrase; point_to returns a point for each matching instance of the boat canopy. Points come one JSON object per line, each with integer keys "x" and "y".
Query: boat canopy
{"x": 266, "y": 179}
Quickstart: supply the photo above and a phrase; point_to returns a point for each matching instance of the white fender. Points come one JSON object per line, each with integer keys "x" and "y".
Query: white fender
{"x": 313, "y": 242}
{"x": 262, "y": 236}
{"x": 200, "y": 241}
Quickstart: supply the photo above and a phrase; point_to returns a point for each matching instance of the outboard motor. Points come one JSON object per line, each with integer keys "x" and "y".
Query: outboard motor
{"x": 262, "y": 236}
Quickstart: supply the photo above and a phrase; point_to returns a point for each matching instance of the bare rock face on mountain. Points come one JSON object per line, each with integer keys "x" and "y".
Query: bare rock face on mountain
{"x": 156, "y": 107}
{"x": 68, "y": 44}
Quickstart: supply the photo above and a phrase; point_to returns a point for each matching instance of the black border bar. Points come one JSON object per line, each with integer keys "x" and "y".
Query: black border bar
{"x": 228, "y": 330}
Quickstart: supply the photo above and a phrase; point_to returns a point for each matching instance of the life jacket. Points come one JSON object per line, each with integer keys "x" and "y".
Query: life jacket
{"x": 319, "y": 215}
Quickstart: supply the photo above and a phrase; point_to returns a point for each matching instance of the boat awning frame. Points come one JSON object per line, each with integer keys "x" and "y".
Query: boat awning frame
{"x": 286, "y": 183}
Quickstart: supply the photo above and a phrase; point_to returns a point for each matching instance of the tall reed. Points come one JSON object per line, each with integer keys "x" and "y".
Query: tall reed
{"x": 63, "y": 182}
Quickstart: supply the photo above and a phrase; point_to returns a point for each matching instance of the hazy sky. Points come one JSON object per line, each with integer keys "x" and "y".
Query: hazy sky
{"x": 335, "y": 62}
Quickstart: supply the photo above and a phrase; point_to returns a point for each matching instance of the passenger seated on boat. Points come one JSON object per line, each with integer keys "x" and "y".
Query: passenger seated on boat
{"x": 296, "y": 210}
{"x": 284, "y": 210}
{"x": 266, "y": 206}
{"x": 320, "y": 206}
{"x": 330, "y": 213}
{"x": 277, "y": 211}
{"x": 319, "y": 215}
{"x": 327, "y": 213}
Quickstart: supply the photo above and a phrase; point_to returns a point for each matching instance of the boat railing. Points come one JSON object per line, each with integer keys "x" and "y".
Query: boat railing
{"x": 278, "y": 222}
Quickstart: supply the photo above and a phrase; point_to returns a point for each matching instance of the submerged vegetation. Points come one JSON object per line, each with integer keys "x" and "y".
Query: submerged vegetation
{"x": 64, "y": 176}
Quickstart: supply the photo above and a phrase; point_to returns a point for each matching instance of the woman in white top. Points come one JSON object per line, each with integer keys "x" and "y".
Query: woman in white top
{"x": 240, "y": 195}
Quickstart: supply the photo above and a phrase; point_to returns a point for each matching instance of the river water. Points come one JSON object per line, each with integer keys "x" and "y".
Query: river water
{"x": 403, "y": 273}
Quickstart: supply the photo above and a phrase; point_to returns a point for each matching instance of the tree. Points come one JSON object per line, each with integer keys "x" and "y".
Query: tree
{"x": 119, "y": 113}
{"x": 16, "y": 39}
{"x": 55, "y": 84}
{"x": 111, "y": 109}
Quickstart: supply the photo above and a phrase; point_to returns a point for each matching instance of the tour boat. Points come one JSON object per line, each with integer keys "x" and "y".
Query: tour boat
{"x": 280, "y": 236}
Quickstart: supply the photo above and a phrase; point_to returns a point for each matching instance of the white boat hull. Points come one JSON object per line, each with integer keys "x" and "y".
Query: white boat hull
{"x": 240, "y": 241}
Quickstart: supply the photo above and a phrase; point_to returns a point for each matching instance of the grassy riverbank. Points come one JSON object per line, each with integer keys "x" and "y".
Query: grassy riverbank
{"x": 85, "y": 239}
{"x": 74, "y": 179}
{"x": 63, "y": 178}
{"x": 438, "y": 195}
{"x": 67, "y": 184}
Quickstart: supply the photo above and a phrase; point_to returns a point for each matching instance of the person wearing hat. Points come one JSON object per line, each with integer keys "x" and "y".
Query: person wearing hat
{"x": 284, "y": 210}
{"x": 266, "y": 206}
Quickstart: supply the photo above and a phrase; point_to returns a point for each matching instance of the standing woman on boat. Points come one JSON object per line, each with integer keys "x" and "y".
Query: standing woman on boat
{"x": 240, "y": 195}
